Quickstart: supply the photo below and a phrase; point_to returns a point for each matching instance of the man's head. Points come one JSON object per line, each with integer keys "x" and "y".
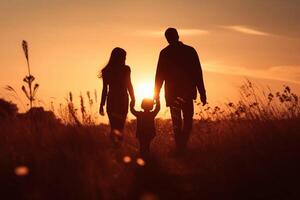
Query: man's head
{"x": 172, "y": 35}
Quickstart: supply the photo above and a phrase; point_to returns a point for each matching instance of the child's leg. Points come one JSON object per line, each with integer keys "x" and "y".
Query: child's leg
{"x": 145, "y": 148}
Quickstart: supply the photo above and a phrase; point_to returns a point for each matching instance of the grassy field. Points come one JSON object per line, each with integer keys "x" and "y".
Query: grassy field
{"x": 247, "y": 150}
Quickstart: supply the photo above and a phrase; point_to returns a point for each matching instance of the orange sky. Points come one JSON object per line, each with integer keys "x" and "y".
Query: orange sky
{"x": 70, "y": 41}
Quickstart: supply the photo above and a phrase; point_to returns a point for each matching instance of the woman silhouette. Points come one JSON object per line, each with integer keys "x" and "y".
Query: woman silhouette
{"x": 116, "y": 86}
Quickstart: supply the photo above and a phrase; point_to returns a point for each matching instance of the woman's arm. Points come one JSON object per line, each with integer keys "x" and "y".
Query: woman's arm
{"x": 130, "y": 88}
{"x": 132, "y": 110}
{"x": 103, "y": 96}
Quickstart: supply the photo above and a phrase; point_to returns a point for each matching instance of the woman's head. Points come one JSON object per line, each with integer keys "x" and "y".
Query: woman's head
{"x": 117, "y": 57}
{"x": 116, "y": 60}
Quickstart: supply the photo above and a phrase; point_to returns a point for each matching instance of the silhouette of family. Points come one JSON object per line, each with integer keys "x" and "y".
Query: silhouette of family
{"x": 179, "y": 69}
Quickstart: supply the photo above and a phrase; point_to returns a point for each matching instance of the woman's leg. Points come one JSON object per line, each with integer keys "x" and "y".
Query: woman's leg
{"x": 117, "y": 109}
{"x": 117, "y": 122}
{"x": 115, "y": 133}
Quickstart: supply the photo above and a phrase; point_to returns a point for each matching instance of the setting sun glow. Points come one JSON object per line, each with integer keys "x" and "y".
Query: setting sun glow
{"x": 144, "y": 90}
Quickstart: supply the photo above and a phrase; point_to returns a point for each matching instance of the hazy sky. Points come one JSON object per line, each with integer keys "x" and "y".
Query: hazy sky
{"x": 71, "y": 40}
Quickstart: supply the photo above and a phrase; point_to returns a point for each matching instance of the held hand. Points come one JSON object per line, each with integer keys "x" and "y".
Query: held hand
{"x": 132, "y": 103}
{"x": 155, "y": 96}
{"x": 203, "y": 100}
{"x": 157, "y": 101}
{"x": 101, "y": 111}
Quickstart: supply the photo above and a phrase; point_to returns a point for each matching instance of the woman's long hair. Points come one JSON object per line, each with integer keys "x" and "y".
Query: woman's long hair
{"x": 116, "y": 61}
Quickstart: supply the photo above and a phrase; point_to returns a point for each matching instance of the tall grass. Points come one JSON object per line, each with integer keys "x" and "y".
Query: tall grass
{"x": 29, "y": 78}
{"x": 82, "y": 115}
{"x": 242, "y": 150}
{"x": 246, "y": 149}
{"x": 256, "y": 104}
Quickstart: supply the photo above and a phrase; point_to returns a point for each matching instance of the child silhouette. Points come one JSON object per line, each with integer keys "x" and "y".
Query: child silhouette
{"x": 145, "y": 131}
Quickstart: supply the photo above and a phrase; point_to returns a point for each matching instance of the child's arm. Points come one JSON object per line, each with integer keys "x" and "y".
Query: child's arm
{"x": 157, "y": 108}
{"x": 132, "y": 110}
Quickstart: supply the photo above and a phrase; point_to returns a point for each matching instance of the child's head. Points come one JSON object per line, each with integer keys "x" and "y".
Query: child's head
{"x": 147, "y": 104}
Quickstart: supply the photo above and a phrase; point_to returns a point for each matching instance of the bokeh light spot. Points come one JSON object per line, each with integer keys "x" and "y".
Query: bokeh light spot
{"x": 117, "y": 132}
{"x": 140, "y": 162}
{"x": 126, "y": 159}
{"x": 21, "y": 171}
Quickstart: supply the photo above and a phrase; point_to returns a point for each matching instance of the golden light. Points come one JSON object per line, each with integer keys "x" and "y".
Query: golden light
{"x": 141, "y": 162}
{"x": 21, "y": 170}
{"x": 126, "y": 159}
{"x": 144, "y": 90}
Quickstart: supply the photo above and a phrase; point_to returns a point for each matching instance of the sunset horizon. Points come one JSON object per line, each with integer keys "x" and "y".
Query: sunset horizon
{"x": 149, "y": 100}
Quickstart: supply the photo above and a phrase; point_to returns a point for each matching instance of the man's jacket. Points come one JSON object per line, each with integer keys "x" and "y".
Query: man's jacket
{"x": 180, "y": 69}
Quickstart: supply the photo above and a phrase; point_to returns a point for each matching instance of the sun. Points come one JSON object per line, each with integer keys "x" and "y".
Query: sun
{"x": 144, "y": 90}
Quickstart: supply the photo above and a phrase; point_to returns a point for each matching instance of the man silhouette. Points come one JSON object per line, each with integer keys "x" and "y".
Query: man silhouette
{"x": 180, "y": 69}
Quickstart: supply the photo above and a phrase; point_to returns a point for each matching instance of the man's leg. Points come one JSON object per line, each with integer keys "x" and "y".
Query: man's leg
{"x": 177, "y": 125}
{"x": 188, "y": 112}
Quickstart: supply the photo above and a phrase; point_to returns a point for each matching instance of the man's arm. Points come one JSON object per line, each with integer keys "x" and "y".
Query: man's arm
{"x": 157, "y": 108}
{"x": 199, "y": 77}
{"x": 159, "y": 76}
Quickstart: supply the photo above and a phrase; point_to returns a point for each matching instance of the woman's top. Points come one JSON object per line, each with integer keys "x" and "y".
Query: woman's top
{"x": 116, "y": 83}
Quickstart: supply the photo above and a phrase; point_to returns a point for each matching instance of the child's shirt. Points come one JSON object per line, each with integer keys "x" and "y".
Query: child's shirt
{"x": 145, "y": 123}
